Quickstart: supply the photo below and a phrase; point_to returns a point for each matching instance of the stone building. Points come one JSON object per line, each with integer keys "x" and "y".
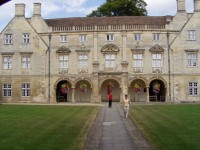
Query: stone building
{"x": 82, "y": 59}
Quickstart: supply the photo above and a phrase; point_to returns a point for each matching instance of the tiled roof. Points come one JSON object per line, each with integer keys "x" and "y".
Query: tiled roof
{"x": 120, "y": 20}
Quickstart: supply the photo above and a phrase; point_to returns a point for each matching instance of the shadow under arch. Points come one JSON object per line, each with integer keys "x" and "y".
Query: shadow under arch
{"x": 157, "y": 90}
{"x": 63, "y": 91}
{"x": 116, "y": 91}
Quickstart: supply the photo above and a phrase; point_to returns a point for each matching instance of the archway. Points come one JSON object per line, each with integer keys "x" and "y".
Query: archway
{"x": 157, "y": 91}
{"x": 83, "y": 91}
{"x": 63, "y": 92}
{"x": 115, "y": 89}
{"x": 137, "y": 91}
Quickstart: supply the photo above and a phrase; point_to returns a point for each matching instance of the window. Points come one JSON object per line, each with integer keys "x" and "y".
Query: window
{"x": 156, "y": 37}
{"x": 137, "y": 60}
{"x": 26, "y": 89}
{"x": 191, "y": 59}
{"x": 26, "y": 62}
{"x": 193, "y": 88}
{"x": 7, "y": 90}
{"x": 8, "y": 39}
{"x": 63, "y": 61}
{"x": 191, "y": 35}
{"x": 156, "y": 60}
{"x": 7, "y": 62}
{"x": 110, "y": 60}
{"x": 63, "y": 38}
{"x": 83, "y": 61}
{"x": 26, "y": 38}
{"x": 83, "y": 38}
{"x": 110, "y": 37}
{"x": 137, "y": 37}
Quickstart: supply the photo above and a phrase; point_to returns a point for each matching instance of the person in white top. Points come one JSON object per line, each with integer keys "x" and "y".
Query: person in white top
{"x": 126, "y": 105}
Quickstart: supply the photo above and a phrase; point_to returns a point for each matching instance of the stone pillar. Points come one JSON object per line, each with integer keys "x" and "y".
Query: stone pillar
{"x": 95, "y": 89}
{"x": 95, "y": 47}
{"x": 124, "y": 36}
{"x": 73, "y": 94}
{"x": 147, "y": 90}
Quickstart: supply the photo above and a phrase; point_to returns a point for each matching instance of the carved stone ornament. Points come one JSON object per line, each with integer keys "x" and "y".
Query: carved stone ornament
{"x": 156, "y": 48}
{"x": 110, "y": 48}
{"x": 63, "y": 71}
{"x": 63, "y": 49}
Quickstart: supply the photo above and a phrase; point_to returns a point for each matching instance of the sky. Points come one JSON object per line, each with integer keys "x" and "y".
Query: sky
{"x": 81, "y": 8}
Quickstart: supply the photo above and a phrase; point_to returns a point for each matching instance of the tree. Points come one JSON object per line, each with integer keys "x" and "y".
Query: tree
{"x": 120, "y": 8}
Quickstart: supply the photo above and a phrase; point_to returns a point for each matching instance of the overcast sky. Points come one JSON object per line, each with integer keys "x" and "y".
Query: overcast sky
{"x": 80, "y": 8}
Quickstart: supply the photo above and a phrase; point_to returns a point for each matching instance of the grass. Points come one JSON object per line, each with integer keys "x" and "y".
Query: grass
{"x": 44, "y": 127}
{"x": 169, "y": 127}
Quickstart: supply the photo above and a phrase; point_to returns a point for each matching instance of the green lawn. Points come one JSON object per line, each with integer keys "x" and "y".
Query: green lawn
{"x": 169, "y": 127}
{"x": 44, "y": 127}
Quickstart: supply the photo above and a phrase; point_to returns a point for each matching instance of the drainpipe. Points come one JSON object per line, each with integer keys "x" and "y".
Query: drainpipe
{"x": 49, "y": 96}
{"x": 169, "y": 69}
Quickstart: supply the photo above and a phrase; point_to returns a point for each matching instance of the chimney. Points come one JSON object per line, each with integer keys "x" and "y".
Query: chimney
{"x": 20, "y": 10}
{"x": 180, "y": 5}
{"x": 37, "y": 9}
{"x": 196, "y": 5}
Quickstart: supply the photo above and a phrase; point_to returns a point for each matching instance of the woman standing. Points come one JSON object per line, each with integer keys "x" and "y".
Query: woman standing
{"x": 126, "y": 105}
{"x": 110, "y": 100}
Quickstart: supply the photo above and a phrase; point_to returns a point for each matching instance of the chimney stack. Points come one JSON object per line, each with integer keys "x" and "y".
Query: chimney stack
{"x": 196, "y": 5}
{"x": 20, "y": 10}
{"x": 180, "y": 5}
{"x": 37, "y": 9}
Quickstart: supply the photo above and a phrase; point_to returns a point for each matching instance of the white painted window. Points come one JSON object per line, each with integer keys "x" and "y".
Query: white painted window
{"x": 193, "y": 88}
{"x": 26, "y": 90}
{"x": 63, "y": 61}
{"x": 191, "y": 36}
{"x": 192, "y": 59}
{"x": 83, "y": 61}
{"x": 137, "y": 60}
{"x": 26, "y": 38}
{"x": 110, "y": 60}
{"x": 110, "y": 37}
{"x": 156, "y": 60}
{"x": 83, "y": 38}
{"x": 137, "y": 37}
{"x": 7, "y": 62}
{"x": 26, "y": 61}
{"x": 7, "y": 90}
{"x": 8, "y": 39}
{"x": 63, "y": 38}
{"x": 156, "y": 37}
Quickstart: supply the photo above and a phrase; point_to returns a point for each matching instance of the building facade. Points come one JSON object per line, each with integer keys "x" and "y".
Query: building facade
{"x": 82, "y": 59}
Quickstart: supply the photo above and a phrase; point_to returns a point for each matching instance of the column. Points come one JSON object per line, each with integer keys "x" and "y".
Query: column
{"x": 95, "y": 47}
{"x": 73, "y": 93}
{"x": 124, "y": 36}
{"x": 95, "y": 89}
{"x": 147, "y": 90}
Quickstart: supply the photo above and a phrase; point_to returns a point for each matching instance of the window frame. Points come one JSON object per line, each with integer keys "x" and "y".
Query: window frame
{"x": 25, "y": 90}
{"x": 191, "y": 35}
{"x": 6, "y": 64}
{"x": 110, "y": 62}
{"x": 83, "y": 37}
{"x": 157, "y": 61}
{"x": 63, "y": 38}
{"x": 26, "y": 38}
{"x": 193, "y": 88}
{"x": 61, "y": 62}
{"x": 156, "y": 37}
{"x": 7, "y": 91}
{"x": 8, "y": 40}
{"x": 83, "y": 62}
{"x": 137, "y": 60}
{"x": 110, "y": 37}
{"x": 192, "y": 62}
{"x": 137, "y": 37}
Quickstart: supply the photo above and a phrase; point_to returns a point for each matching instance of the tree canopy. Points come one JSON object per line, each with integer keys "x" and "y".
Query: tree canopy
{"x": 120, "y": 8}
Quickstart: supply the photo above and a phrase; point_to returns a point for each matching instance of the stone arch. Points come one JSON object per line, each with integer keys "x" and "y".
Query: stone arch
{"x": 115, "y": 89}
{"x": 157, "y": 90}
{"x": 60, "y": 95}
{"x": 137, "y": 90}
{"x": 83, "y": 90}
